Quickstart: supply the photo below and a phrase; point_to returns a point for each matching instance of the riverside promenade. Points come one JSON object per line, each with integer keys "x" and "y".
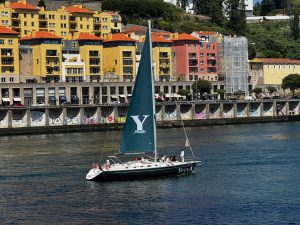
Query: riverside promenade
{"x": 52, "y": 119}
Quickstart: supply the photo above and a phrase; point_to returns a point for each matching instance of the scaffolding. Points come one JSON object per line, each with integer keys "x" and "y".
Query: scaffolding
{"x": 234, "y": 66}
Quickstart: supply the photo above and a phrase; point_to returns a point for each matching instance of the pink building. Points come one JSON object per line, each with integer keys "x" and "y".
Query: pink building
{"x": 196, "y": 56}
{"x": 208, "y": 55}
{"x": 186, "y": 50}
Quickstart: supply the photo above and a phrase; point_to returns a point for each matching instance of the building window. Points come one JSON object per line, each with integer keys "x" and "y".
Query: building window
{"x": 25, "y": 23}
{"x": 10, "y": 42}
{"x": 25, "y": 15}
{"x": 81, "y": 26}
{"x": 74, "y": 44}
{"x": 11, "y": 79}
{"x": 1, "y": 41}
{"x": 11, "y": 69}
{"x": 32, "y": 16}
{"x": 32, "y": 24}
{"x": 3, "y": 79}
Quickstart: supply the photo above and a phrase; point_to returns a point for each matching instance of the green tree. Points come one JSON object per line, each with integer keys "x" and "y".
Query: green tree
{"x": 221, "y": 92}
{"x": 235, "y": 10}
{"x": 183, "y": 4}
{"x": 292, "y": 82}
{"x": 295, "y": 25}
{"x": 257, "y": 91}
{"x": 271, "y": 89}
{"x": 42, "y": 4}
{"x": 183, "y": 92}
{"x": 266, "y": 7}
{"x": 201, "y": 86}
{"x": 251, "y": 51}
{"x": 211, "y": 8}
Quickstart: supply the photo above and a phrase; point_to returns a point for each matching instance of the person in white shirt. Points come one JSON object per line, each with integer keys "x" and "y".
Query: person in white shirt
{"x": 182, "y": 155}
{"x": 107, "y": 164}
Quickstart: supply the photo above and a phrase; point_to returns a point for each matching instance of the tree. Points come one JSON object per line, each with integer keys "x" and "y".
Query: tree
{"x": 295, "y": 25}
{"x": 257, "y": 91}
{"x": 201, "y": 86}
{"x": 251, "y": 51}
{"x": 183, "y": 4}
{"x": 292, "y": 82}
{"x": 42, "y": 4}
{"x": 266, "y": 7}
{"x": 221, "y": 92}
{"x": 183, "y": 92}
{"x": 211, "y": 8}
{"x": 235, "y": 11}
{"x": 271, "y": 89}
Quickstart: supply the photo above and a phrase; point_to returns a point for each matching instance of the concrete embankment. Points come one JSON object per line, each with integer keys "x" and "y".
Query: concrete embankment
{"x": 161, "y": 124}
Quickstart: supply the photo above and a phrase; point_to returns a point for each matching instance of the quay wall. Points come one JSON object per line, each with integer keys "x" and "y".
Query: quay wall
{"x": 52, "y": 119}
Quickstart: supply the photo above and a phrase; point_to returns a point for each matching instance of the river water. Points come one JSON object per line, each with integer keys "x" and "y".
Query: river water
{"x": 250, "y": 174}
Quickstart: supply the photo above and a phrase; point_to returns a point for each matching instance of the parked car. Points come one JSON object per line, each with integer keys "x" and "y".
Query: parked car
{"x": 38, "y": 104}
{"x": 18, "y": 105}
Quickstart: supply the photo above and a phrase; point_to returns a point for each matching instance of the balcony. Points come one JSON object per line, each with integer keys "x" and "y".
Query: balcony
{"x": 97, "y": 21}
{"x": 127, "y": 54}
{"x": 51, "y": 53}
{"x": 15, "y": 16}
{"x": 7, "y": 54}
{"x": 94, "y": 54}
{"x": 43, "y": 18}
{"x": 163, "y": 55}
{"x": 73, "y": 27}
{"x": 72, "y": 19}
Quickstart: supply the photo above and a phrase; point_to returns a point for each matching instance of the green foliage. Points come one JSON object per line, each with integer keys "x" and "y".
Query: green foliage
{"x": 257, "y": 90}
{"x": 295, "y": 25}
{"x": 201, "y": 86}
{"x": 211, "y": 8}
{"x": 238, "y": 93}
{"x": 235, "y": 9}
{"x": 291, "y": 82}
{"x": 221, "y": 92}
{"x": 183, "y": 92}
{"x": 42, "y": 4}
{"x": 271, "y": 89}
{"x": 266, "y": 7}
{"x": 251, "y": 51}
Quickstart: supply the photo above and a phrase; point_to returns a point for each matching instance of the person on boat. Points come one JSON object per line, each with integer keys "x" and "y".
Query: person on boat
{"x": 163, "y": 158}
{"x": 182, "y": 155}
{"x": 107, "y": 166}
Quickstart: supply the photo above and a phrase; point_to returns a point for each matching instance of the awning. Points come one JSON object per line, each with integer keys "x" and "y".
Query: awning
{"x": 5, "y": 100}
{"x": 122, "y": 96}
{"x": 17, "y": 99}
{"x": 114, "y": 96}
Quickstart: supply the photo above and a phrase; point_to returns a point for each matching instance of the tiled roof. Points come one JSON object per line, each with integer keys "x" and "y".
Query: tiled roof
{"x": 40, "y": 35}
{"x": 119, "y": 37}
{"x": 21, "y": 5}
{"x": 76, "y": 9}
{"x": 88, "y": 36}
{"x": 185, "y": 37}
{"x": 135, "y": 29}
{"x": 6, "y": 30}
{"x": 276, "y": 61}
{"x": 156, "y": 38}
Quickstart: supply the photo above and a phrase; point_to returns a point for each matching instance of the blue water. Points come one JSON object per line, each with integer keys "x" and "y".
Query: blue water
{"x": 250, "y": 174}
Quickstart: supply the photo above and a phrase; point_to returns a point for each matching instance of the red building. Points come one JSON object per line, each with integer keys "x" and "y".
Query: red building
{"x": 196, "y": 56}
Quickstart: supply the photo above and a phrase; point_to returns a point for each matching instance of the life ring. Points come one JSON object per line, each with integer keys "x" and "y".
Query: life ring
{"x": 109, "y": 119}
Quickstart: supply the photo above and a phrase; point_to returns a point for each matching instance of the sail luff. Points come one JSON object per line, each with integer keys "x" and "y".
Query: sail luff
{"x": 139, "y": 128}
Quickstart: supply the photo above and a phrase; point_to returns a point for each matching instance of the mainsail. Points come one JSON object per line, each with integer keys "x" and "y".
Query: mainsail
{"x": 139, "y": 129}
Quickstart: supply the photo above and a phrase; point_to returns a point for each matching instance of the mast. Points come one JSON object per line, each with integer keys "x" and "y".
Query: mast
{"x": 152, "y": 85}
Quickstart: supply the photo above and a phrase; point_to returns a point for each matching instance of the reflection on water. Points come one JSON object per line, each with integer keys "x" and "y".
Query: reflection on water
{"x": 249, "y": 175}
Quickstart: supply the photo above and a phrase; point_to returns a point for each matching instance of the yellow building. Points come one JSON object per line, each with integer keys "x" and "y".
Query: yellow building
{"x": 119, "y": 57}
{"x": 162, "y": 61}
{"x": 20, "y": 16}
{"x": 65, "y": 22}
{"x": 9, "y": 61}
{"x": 91, "y": 52}
{"x": 271, "y": 71}
{"x": 46, "y": 55}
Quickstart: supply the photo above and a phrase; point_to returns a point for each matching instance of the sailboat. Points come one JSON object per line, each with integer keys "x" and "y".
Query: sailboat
{"x": 139, "y": 134}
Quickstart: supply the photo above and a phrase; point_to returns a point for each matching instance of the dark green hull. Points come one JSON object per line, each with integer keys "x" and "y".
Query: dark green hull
{"x": 146, "y": 173}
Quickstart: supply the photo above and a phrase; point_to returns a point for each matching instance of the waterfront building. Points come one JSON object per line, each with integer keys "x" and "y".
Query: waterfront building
{"x": 9, "y": 62}
{"x": 162, "y": 61}
{"x": 234, "y": 66}
{"x": 65, "y": 21}
{"x": 271, "y": 71}
{"x": 43, "y": 49}
{"x": 208, "y": 64}
{"x": 119, "y": 57}
{"x": 186, "y": 50}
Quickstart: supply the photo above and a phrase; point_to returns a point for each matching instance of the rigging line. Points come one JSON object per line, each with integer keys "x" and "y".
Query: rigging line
{"x": 187, "y": 139}
{"x": 103, "y": 147}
